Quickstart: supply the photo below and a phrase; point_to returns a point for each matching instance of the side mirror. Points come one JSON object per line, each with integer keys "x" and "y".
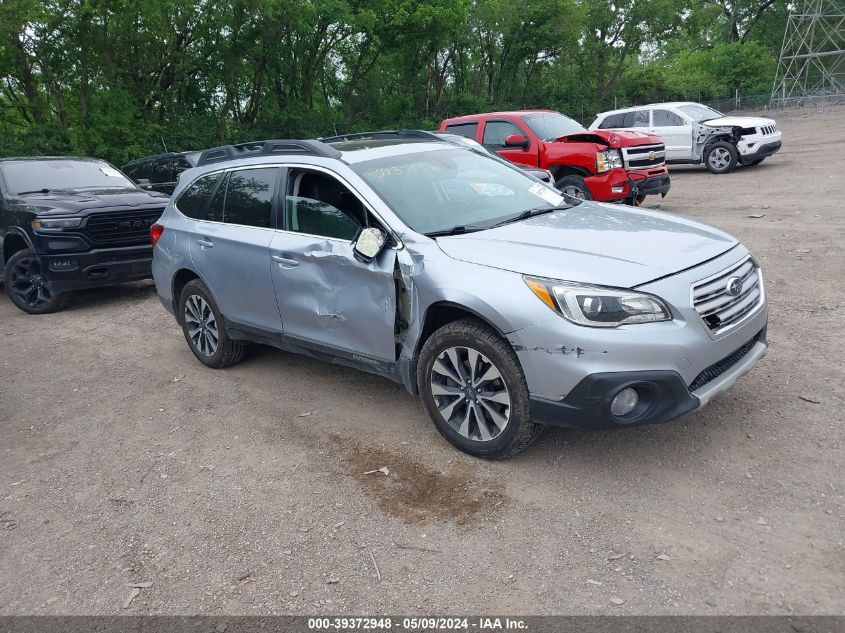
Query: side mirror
{"x": 368, "y": 244}
{"x": 144, "y": 183}
{"x": 517, "y": 140}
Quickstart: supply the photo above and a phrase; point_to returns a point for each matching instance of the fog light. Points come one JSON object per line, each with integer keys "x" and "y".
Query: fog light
{"x": 624, "y": 402}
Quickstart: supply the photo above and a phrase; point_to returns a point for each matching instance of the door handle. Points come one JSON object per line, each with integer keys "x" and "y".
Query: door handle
{"x": 205, "y": 244}
{"x": 284, "y": 262}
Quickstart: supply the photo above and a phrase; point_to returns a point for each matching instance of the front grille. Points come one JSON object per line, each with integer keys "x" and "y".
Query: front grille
{"x": 727, "y": 298}
{"x": 717, "y": 369}
{"x": 122, "y": 227}
{"x": 643, "y": 156}
{"x": 768, "y": 129}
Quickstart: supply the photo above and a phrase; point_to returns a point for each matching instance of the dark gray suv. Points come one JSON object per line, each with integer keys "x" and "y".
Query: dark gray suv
{"x": 504, "y": 304}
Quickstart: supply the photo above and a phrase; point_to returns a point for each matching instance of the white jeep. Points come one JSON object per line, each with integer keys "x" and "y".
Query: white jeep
{"x": 694, "y": 133}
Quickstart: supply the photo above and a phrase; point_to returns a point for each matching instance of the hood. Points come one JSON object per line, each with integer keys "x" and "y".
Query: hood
{"x": 738, "y": 121}
{"x": 64, "y": 202}
{"x": 593, "y": 243}
{"x": 611, "y": 138}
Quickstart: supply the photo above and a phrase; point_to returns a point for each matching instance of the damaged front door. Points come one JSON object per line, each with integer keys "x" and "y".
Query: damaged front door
{"x": 328, "y": 299}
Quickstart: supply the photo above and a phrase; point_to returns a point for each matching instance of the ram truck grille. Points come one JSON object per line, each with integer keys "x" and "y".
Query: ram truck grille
{"x": 726, "y": 299}
{"x": 125, "y": 227}
{"x": 644, "y": 156}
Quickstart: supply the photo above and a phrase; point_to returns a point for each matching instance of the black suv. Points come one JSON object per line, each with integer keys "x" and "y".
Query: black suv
{"x": 160, "y": 173}
{"x": 68, "y": 224}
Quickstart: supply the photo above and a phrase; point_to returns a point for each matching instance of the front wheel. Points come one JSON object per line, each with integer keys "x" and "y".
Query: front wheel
{"x": 720, "y": 158}
{"x": 27, "y": 287}
{"x": 574, "y": 186}
{"x": 202, "y": 325}
{"x": 473, "y": 389}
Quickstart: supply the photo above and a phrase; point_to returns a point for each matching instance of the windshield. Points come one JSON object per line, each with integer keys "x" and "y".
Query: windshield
{"x": 551, "y": 125}
{"x": 37, "y": 175}
{"x": 435, "y": 191}
{"x": 698, "y": 112}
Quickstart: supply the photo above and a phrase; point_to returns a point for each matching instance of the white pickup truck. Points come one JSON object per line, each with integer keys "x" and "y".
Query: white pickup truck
{"x": 694, "y": 133}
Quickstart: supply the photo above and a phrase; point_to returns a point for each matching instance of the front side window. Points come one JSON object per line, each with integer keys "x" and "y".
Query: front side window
{"x": 249, "y": 197}
{"x": 193, "y": 202}
{"x": 37, "y": 176}
{"x": 318, "y": 204}
{"x": 433, "y": 191}
{"x": 495, "y": 133}
{"x": 664, "y": 118}
{"x": 160, "y": 172}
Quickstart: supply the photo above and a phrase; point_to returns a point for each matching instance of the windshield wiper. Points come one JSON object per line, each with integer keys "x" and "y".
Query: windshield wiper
{"x": 23, "y": 193}
{"x": 455, "y": 230}
{"x": 530, "y": 213}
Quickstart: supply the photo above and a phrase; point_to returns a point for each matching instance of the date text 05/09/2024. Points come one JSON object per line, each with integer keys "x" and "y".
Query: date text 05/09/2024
{"x": 429, "y": 623}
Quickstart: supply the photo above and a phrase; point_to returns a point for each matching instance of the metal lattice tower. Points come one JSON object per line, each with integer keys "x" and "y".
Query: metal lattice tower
{"x": 812, "y": 57}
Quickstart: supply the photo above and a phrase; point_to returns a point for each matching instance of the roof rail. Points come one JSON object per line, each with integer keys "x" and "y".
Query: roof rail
{"x": 383, "y": 135}
{"x": 225, "y": 153}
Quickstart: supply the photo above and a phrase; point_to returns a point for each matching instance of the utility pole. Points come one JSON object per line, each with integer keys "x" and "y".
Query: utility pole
{"x": 812, "y": 57}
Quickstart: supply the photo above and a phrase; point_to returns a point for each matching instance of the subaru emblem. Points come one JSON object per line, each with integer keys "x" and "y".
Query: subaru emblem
{"x": 734, "y": 286}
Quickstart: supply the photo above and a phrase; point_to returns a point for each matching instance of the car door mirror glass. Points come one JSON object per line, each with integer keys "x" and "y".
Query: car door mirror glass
{"x": 369, "y": 243}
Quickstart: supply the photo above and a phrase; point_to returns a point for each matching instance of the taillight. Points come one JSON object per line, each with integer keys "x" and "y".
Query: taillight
{"x": 156, "y": 231}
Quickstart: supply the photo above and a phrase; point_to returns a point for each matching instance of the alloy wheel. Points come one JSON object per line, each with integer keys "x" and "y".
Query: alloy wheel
{"x": 29, "y": 285}
{"x": 470, "y": 393}
{"x": 574, "y": 192}
{"x": 720, "y": 158}
{"x": 201, "y": 325}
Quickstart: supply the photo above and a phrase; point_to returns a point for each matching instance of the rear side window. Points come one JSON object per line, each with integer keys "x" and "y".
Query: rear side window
{"x": 636, "y": 118}
{"x": 249, "y": 197}
{"x": 666, "y": 118}
{"x": 137, "y": 171}
{"x": 194, "y": 199}
{"x": 464, "y": 129}
{"x": 180, "y": 164}
{"x": 495, "y": 133}
{"x": 612, "y": 121}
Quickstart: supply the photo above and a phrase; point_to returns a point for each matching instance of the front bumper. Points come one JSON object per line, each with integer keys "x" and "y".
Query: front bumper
{"x": 652, "y": 186}
{"x": 663, "y": 395}
{"x": 99, "y": 267}
{"x": 573, "y": 372}
{"x": 761, "y": 152}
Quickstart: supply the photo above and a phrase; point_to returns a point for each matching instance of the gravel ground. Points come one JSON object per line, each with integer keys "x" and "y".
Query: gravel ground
{"x": 123, "y": 460}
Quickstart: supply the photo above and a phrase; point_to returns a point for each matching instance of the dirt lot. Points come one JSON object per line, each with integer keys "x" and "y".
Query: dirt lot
{"x": 123, "y": 460}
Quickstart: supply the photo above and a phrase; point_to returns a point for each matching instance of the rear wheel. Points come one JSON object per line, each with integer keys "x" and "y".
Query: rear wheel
{"x": 720, "y": 157}
{"x": 574, "y": 186}
{"x": 27, "y": 287}
{"x": 473, "y": 389}
{"x": 202, "y": 325}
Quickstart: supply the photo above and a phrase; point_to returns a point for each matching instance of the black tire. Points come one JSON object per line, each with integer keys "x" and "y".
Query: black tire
{"x": 577, "y": 184}
{"x": 27, "y": 287}
{"x": 227, "y": 351}
{"x": 519, "y": 431}
{"x": 720, "y": 157}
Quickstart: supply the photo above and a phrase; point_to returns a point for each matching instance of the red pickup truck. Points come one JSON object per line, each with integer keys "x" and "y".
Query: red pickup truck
{"x": 610, "y": 166}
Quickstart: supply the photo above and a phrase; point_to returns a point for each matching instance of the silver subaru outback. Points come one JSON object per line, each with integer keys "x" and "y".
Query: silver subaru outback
{"x": 505, "y": 305}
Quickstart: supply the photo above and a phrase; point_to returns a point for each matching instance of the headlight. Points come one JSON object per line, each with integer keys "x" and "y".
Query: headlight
{"x": 608, "y": 159}
{"x": 595, "y": 306}
{"x": 55, "y": 224}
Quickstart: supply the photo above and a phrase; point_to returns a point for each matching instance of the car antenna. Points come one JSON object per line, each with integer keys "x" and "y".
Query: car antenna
{"x": 163, "y": 143}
